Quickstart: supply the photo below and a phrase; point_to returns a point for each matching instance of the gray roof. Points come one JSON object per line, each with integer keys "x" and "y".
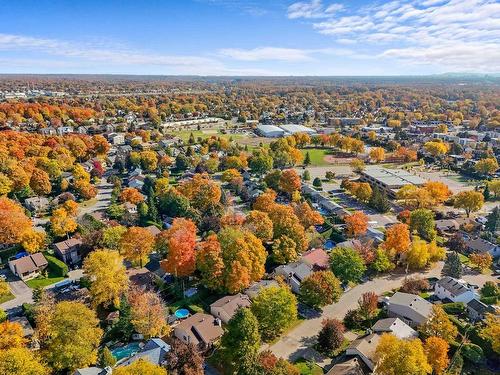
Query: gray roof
{"x": 479, "y": 245}
{"x": 154, "y": 351}
{"x": 393, "y": 177}
{"x": 479, "y": 307}
{"x": 384, "y": 325}
{"x": 454, "y": 286}
{"x": 253, "y": 290}
{"x": 298, "y": 270}
{"x": 412, "y": 301}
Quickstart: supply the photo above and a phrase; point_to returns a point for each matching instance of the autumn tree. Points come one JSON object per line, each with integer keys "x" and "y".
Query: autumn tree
{"x": 439, "y": 324}
{"x": 141, "y": 366}
{"x": 307, "y": 216}
{"x": 33, "y": 241}
{"x": 481, "y": 261}
{"x": 231, "y": 260}
{"x": 284, "y": 250}
{"x": 381, "y": 263}
{"x": 357, "y": 223}
{"x": 13, "y": 222}
{"x": 347, "y": 264}
{"x": 436, "y": 350}
{"x": 201, "y": 191}
{"x": 289, "y": 181}
{"x": 377, "y": 154}
{"x": 184, "y": 359}
{"x": 107, "y": 275}
{"x": 40, "y": 182}
{"x": 331, "y": 335}
{"x": 269, "y": 364}
{"x": 241, "y": 342}
{"x": 397, "y": 239}
{"x": 260, "y": 162}
{"x": 438, "y": 191}
{"x": 180, "y": 241}
{"x": 367, "y": 305}
{"x": 421, "y": 253}
{"x": 112, "y": 236}
{"x": 16, "y": 361}
{"x": 275, "y": 309}
{"x": 321, "y": 288}
{"x": 62, "y": 223}
{"x": 357, "y": 165}
{"x": 148, "y": 313}
{"x": 422, "y": 222}
{"x": 136, "y": 245}
{"x": 396, "y": 356}
{"x": 436, "y": 148}
{"x": 11, "y": 335}
{"x": 131, "y": 195}
{"x": 266, "y": 201}
{"x": 286, "y": 222}
{"x": 259, "y": 223}
{"x": 414, "y": 285}
{"x": 75, "y": 337}
{"x": 486, "y": 166}
{"x": 491, "y": 331}
{"x": 470, "y": 201}
{"x": 43, "y": 312}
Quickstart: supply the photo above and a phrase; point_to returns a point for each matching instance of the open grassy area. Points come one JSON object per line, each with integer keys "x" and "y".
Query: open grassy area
{"x": 41, "y": 281}
{"x": 185, "y": 134}
{"x": 317, "y": 156}
{"x": 6, "y": 297}
{"x": 308, "y": 368}
{"x": 464, "y": 259}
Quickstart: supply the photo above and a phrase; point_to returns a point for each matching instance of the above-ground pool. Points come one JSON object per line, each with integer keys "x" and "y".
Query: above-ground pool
{"x": 329, "y": 244}
{"x": 126, "y": 351}
{"x": 181, "y": 313}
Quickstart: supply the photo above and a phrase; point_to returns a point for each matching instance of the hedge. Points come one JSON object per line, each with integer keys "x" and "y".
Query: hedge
{"x": 57, "y": 267}
{"x": 473, "y": 353}
{"x": 454, "y": 308}
{"x": 489, "y": 300}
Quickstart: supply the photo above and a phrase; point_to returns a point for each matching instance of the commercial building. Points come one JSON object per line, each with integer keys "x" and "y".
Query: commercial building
{"x": 293, "y": 129}
{"x": 390, "y": 180}
{"x": 270, "y": 131}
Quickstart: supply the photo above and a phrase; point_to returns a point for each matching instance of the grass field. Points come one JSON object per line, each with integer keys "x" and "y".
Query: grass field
{"x": 308, "y": 368}
{"x": 6, "y": 297}
{"x": 317, "y": 156}
{"x": 44, "y": 281}
{"x": 185, "y": 134}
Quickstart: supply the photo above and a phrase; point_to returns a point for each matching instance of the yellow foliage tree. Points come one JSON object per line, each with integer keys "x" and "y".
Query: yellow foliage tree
{"x": 11, "y": 335}
{"x": 140, "y": 367}
{"x": 491, "y": 331}
{"x": 439, "y": 325}
{"x": 148, "y": 313}
{"x": 61, "y": 223}
{"x": 437, "y": 354}
{"x": 470, "y": 201}
{"x": 17, "y": 361}
{"x": 377, "y": 154}
{"x": 136, "y": 244}
{"x": 33, "y": 241}
{"x": 107, "y": 275}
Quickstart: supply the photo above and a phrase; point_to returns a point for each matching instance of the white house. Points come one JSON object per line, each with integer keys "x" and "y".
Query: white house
{"x": 454, "y": 290}
{"x": 410, "y": 308}
{"x": 396, "y": 327}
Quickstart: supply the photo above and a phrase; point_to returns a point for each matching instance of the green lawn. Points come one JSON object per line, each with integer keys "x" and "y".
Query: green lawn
{"x": 185, "y": 134}
{"x": 43, "y": 281}
{"x": 308, "y": 368}
{"x": 317, "y": 156}
{"x": 464, "y": 259}
{"x": 7, "y": 297}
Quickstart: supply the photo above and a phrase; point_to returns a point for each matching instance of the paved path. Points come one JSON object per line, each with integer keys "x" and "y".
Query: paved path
{"x": 102, "y": 199}
{"x": 298, "y": 342}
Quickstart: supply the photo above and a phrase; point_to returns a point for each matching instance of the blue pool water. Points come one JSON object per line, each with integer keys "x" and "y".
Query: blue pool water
{"x": 181, "y": 313}
{"x": 329, "y": 244}
{"x": 125, "y": 351}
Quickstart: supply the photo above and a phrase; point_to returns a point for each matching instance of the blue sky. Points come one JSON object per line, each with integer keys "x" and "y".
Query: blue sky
{"x": 250, "y": 37}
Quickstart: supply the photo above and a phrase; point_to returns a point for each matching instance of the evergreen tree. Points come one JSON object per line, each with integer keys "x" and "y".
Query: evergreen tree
{"x": 486, "y": 192}
{"x": 191, "y": 139}
{"x": 153, "y": 209}
{"x": 306, "y": 176}
{"x": 307, "y": 159}
{"x": 379, "y": 201}
{"x": 493, "y": 223}
{"x": 240, "y": 344}
{"x": 452, "y": 266}
{"x": 317, "y": 182}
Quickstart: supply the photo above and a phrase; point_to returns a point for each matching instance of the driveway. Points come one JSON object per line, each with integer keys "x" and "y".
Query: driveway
{"x": 102, "y": 199}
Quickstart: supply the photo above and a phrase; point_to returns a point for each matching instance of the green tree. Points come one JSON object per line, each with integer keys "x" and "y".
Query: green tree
{"x": 486, "y": 192}
{"x": 452, "y": 266}
{"x": 347, "y": 264}
{"x": 493, "y": 223}
{"x": 241, "y": 341}
{"x": 317, "y": 182}
{"x": 106, "y": 358}
{"x": 422, "y": 221}
{"x": 307, "y": 159}
{"x": 260, "y": 162}
{"x": 320, "y": 289}
{"x": 490, "y": 289}
{"x": 306, "y": 176}
{"x": 379, "y": 201}
{"x": 382, "y": 262}
{"x": 275, "y": 309}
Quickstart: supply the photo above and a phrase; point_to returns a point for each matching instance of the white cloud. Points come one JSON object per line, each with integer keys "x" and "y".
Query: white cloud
{"x": 312, "y": 9}
{"x": 419, "y": 29}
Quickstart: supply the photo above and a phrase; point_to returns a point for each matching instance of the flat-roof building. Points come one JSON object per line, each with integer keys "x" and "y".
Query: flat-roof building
{"x": 270, "y": 131}
{"x": 390, "y": 180}
{"x": 293, "y": 129}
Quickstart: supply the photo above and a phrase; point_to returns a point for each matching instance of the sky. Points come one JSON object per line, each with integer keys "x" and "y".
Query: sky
{"x": 250, "y": 37}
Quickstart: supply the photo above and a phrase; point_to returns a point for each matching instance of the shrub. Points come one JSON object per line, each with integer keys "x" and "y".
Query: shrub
{"x": 456, "y": 366}
{"x": 489, "y": 300}
{"x": 415, "y": 285}
{"x": 3, "y": 316}
{"x": 473, "y": 353}
{"x": 57, "y": 267}
{"x": 454, "y": 308}
{"x": 353, "y": 319}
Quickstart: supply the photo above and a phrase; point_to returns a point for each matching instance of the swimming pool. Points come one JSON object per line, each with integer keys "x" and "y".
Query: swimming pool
{"x": 182, "y": 313}
{"x": 126, "y": 351}
{"x": 329, "y": 244}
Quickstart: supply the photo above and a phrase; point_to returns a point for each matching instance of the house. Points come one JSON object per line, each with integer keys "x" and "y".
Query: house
{"x": 28, "y": 267}
{"x": 36, "y": 204}
{"x": 116, "y": 139}
{"x": 153, "y": 229}
{"x": 395, "y": 326}
{"x": 254, "y": 289}
{"x": 477, "y": 310}
{"x": 481, "y": 246}
{"x": 364, "y": 348}
{"x": 351, "y": 367}
{"x": 136, "y": 182}
{"x": 318, "y": 258}
{"x": 294, "y": 273}
{"x": 226, "y": 307}
{"x": 69, "y": 251}
{"x": 93, "y": 371}
{"x": 201, "y": 330}
{"x": 154, "y": 351}
{"x": 62, "y": 130}
{"x": 410, "y": 308}
{"x": 130, "y": 207}
{"x": 454, "y": 290}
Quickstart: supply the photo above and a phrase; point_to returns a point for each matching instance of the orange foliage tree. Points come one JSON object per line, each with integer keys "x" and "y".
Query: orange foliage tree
{"x": 131, "y": 195}
{"x": 436, "y": 350}
{"x": 13, "y": 222}
{"x": 181, "y": 241}
{"x": 289, "y": 181}
{"x": 136, "y": 244}
{"x": 357, "y": 223}
{"x": 397, "y": 239}
{"x": 307, "y": 216}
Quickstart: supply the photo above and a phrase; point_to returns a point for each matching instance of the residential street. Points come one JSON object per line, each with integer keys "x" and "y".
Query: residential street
{"x": 298, "y": 342}
{"x": 102, "y": 199}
